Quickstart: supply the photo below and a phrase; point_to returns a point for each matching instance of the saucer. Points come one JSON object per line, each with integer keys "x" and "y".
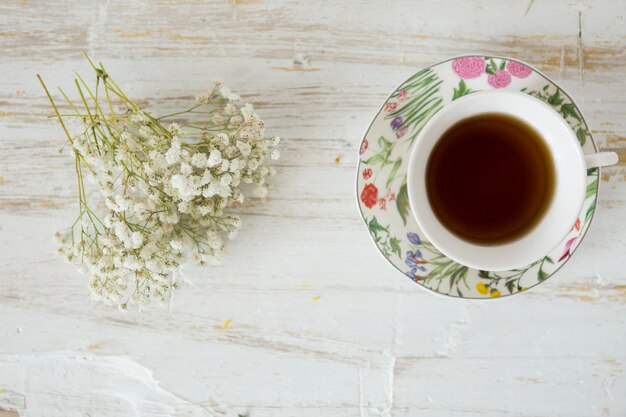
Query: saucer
{"x": 381, "y": 182}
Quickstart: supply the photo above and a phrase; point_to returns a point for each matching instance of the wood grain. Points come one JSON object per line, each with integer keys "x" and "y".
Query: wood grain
{"x": 319, "y": 324}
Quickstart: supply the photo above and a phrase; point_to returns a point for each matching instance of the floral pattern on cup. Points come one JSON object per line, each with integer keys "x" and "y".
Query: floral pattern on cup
{"x": 396, "y": 122}
{"x": 469, "y": 66}
{"x": 369, "y": 195}
{"x": 517, "y": 69}
{"x": 382, "y": 187}
{"x": 363, "y": 148}
{"x": 499, "y": 74}
{"x": 499, "y": 79}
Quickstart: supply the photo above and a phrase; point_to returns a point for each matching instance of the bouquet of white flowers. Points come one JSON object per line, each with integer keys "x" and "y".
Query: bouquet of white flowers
{"x": 165, "y": 187}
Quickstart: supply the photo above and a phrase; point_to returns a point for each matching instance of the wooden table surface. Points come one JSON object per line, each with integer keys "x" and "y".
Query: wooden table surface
{"x": 319, "y": 325}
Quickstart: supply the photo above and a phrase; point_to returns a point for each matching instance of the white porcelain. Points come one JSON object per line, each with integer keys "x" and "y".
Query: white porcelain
{"x": 570, "y": 182}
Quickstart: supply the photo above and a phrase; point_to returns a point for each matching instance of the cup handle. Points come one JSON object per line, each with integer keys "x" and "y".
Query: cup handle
{"x": 601, "y": 159}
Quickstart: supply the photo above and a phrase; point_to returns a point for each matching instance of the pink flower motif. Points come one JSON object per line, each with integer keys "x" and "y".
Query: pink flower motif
{"x": 367, "y": 173}
{"x": 518, "y": 70}
{"x": 469, "y": 66}
{"x": 364, "y": 146}
{"x": 500, "y": 79}
{"x": 382, "y": 203}
{"x": 391, "y": 106}
{"x": 403, "y": 96}
{"x": 576, "y": 225}
{"x": 390, "y": 196}
{"x": 401, "y": 132}
{"x": 568, "y": 248}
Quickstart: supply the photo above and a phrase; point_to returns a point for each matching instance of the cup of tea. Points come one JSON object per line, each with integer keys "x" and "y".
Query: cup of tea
{"x": 497, "y": 179}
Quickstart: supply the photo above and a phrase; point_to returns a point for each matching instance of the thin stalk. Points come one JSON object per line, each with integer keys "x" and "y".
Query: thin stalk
{"x": 56, "y": 111}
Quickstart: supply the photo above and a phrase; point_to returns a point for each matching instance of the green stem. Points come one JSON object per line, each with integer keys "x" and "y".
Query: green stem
{"x": 56, "y": 111}
{"x": 180, "y": 112}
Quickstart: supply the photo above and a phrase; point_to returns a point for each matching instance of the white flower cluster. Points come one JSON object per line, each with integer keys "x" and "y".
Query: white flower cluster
{"x": 166, "y": 190}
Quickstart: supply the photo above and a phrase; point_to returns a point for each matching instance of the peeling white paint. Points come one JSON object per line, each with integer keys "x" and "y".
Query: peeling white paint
{"x": 450, "y": 343}
{"x": 89, "y": 384}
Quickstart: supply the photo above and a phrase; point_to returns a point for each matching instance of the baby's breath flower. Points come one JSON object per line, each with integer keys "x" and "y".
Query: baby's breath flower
{"x": 253, "y": 164}
{"x": 166, "y": 191}
{"x": 137, "y": 239}
{"x": 247, "y": 111}
{"x": 176, "y": 244}
{"x": 173, "y": 153}
{"x": 223, "y": 137}
{"x": 229, "y": 95}
{"x": 174, "y": 129}
{"x": 185, "y": 169}
{"x": 183, "y": 207}
{"x": 122, "y": 203}
{"x": 244, "y": 147}
{"x": 215, "y": 157}
{"x": 133, "y": 264}
{"x": 199, "y": 160}
{"x": 203, "y": 98}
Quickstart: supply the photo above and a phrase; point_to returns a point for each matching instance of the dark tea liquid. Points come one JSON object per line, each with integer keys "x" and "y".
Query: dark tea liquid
{"x": 490, "y": 178}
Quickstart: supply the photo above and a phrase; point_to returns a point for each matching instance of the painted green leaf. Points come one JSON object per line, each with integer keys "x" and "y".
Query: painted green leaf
{"x": 394, "y": 171}
{"x": 383, "y": 143}
{"x": 581, "y": 134}
{"x": 545, "y": 87}
{"x": 375, "y": 159}
{"x": 459, "y": 271}
{"x": 461, "y": 91}
{"x": 455, "y": 272}
{"x": 502, "y": 65}
{"x": 491, "y": 67}
{"x": 548, "y": 260}
{"x": 422, "y": 90}
{"x": 541, "y": 275}
{"x": 421, "y": 75}
{"x": 483, "y": 274}
{"x": 592, "y": 188}
{"x": 374, "y": 226}
{"x": 419, "y": 79}
{"x": 555, "y": 99}
{"x": 395, "y": 246}
{"x": 402, "y": 202}
{"x": 568, "y": 109}
{"x": 590, "y": 211}
{"x": 416, "y": 104}
{"x": 434, "y": 106}
{"x": 511, "y": 286}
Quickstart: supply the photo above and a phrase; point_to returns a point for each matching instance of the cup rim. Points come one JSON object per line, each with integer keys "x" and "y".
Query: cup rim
{"x": 497, "y": 257}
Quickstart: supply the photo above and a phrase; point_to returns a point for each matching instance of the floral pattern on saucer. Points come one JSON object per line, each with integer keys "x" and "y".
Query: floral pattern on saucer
{"x": 382, "y": 185}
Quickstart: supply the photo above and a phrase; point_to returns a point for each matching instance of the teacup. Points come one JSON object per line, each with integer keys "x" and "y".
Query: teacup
{"x": 570, "y": 171}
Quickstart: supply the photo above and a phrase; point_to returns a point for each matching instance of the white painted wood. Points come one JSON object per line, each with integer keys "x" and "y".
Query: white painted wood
{"x": 373, "y": 343}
